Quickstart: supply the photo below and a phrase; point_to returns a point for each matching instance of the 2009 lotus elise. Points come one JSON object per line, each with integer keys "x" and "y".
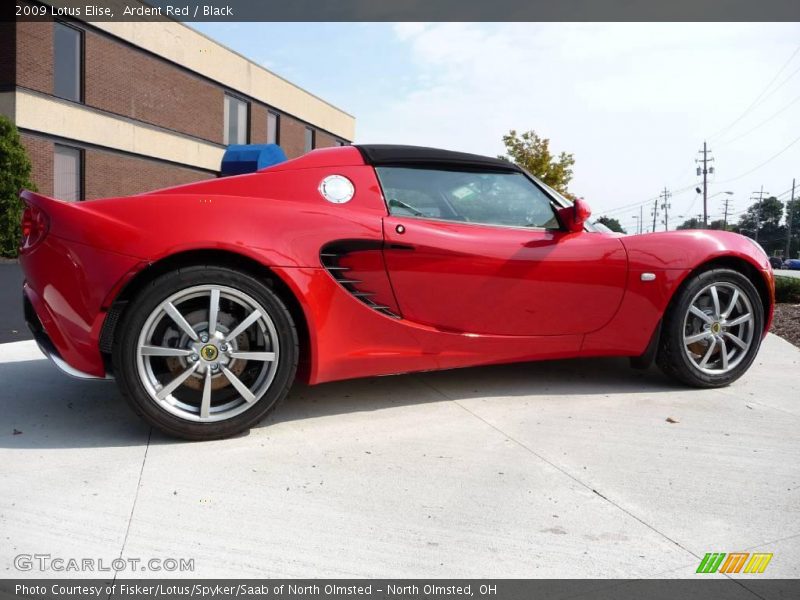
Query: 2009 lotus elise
{"x": 205, "y": 300}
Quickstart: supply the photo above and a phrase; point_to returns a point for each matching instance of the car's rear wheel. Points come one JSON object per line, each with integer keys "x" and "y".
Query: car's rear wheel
{"x": 712, "y": 332}
{"x": 205, "y": 352}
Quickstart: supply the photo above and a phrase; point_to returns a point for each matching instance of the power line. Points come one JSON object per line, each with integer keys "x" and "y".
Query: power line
{"x": 756, "y": 168}
{"x": 627, "y": 207}
{"x": 761, "y": 124}
{"x": 760, "y": 96}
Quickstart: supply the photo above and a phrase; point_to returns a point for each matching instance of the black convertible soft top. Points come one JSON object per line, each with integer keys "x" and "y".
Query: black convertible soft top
{"x": 396, "y": 155}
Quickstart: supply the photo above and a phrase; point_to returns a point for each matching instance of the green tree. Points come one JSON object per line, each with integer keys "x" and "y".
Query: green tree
{"x": 612, "y": 224}
{"x": 692, "y": 223}
{"x": 720, "y": 225}
{"x": 15, "y": 175}
{"x": 765, "y": 216}
{"x": 532, "y": 153}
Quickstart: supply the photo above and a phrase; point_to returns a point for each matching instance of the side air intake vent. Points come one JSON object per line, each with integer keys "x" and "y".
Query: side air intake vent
{"x": 358, "y": 267}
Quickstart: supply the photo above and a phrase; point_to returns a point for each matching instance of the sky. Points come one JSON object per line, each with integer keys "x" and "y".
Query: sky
{"x": 633, "y": 102}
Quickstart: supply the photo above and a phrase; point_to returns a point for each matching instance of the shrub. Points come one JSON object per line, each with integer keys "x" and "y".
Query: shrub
{"x": 787, "y": 289}
{"x": 15, "y": 175}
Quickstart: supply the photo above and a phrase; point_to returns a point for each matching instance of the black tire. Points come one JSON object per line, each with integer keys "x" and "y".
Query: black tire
{"x": 672, "y": 357}
{"x": 124, "y": 353}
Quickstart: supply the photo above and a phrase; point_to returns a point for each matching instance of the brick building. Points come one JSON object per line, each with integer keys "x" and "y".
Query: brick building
{"x": 111, "y": 109}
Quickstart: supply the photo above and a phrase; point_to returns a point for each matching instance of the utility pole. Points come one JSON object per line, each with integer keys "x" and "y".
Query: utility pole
{"x": 726, "y": 211}
{"x": 666, "y": 195}
{"x": 789, "y": 225}
{"x": 641, "y": 219}
{"x": 655, "y": 213}
{"x": 758, "y": 209}
{"x": 705, "y": 170}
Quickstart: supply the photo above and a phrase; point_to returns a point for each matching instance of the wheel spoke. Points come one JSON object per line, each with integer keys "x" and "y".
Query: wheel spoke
{"x": 708, "y": 353}
{"x": 745, "y": 318}
{"x": 205, "y": 404}
{"x": 697, "y": 337}
{"x": 738, "y": 341}
{"x": 700, "y": 314}
{"x": 724, "y": 352}
{"x": 176, "y": 316}
{"x": 240, "y": 387}
{"x": 715, "y": 299}
{"x": 262, "y": 356}
{"x": 251, "y": 318}
{"x": 731, "y": 304}
{"x": 164, "y": 351}
{"x": 175, "y": 383}
{"x": 213, "y": 310}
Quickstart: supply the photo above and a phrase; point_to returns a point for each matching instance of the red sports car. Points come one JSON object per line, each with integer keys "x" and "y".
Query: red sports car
{"x": 204, "y": 301}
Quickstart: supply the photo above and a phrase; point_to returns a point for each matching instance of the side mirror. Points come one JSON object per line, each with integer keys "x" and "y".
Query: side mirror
{"x": 575, "y": 216}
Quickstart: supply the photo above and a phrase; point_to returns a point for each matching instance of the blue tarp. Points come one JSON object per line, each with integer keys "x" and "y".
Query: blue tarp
{"x": 248, "y": 158}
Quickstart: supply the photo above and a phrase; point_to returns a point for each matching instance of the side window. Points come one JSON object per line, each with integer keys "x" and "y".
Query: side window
{"x": 273, "y": 126}
{"x": 67, "y": 62}
{"x": 310, "y": 139}
{"x": 488, "y": 198}
{"x": 236, "y": 116}
{"x": 67, "y": 173}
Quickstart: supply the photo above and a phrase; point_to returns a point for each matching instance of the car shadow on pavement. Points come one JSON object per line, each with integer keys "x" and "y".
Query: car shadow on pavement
{"x": 44, "y": 409}
{"x": 601, "y": 377}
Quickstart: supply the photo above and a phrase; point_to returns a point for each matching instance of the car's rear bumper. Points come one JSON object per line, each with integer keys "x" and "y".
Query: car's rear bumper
{"x": 67, "y": 289}
{"x": 46, "y": 344}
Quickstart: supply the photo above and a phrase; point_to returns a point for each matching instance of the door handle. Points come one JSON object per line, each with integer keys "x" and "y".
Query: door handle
{"x": 405, "y": 247}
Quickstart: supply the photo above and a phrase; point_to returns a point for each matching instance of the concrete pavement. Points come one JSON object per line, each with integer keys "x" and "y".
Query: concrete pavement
{"x": 557, "y": 469}
{"x": 787, "y": 273}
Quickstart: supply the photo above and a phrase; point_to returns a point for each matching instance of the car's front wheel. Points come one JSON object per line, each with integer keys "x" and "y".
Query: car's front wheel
{"x": 205, "y": 352}
{"x": 712, "y": 331}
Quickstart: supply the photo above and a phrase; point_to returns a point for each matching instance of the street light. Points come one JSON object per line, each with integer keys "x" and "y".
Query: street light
{"x": 700, "y": 191}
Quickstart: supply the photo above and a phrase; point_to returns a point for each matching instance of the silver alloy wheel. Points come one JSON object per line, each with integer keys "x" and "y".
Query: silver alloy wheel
{"x": 207, "y": 353}
{"x": 719, "y": 328}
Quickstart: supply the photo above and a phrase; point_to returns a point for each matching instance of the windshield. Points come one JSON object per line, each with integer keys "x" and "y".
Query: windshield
{"x": 591, "y": 225}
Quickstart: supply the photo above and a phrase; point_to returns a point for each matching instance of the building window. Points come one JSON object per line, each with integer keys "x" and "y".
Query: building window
{"x": 235, "y": 120}
{"x": 273, "y": 123}
{"x": 67, "y": 62}
{"x": 311, "y": 139}
{"x": 68, "y": 173}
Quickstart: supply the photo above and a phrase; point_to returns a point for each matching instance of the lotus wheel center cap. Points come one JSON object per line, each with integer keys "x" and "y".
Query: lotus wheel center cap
{"x": 209, "y": 352}
{"x": 716, "y": 328}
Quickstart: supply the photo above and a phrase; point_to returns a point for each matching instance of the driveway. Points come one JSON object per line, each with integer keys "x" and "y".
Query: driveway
{"x": 561, "y": 469}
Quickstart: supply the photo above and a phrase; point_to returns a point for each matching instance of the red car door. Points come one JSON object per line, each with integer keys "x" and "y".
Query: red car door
{"x": 516, "y": 274}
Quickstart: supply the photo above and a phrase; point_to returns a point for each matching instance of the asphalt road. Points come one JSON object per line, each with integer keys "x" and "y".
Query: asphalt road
{"x": 579, "y": 468}
{"x": 12, "y": 321}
